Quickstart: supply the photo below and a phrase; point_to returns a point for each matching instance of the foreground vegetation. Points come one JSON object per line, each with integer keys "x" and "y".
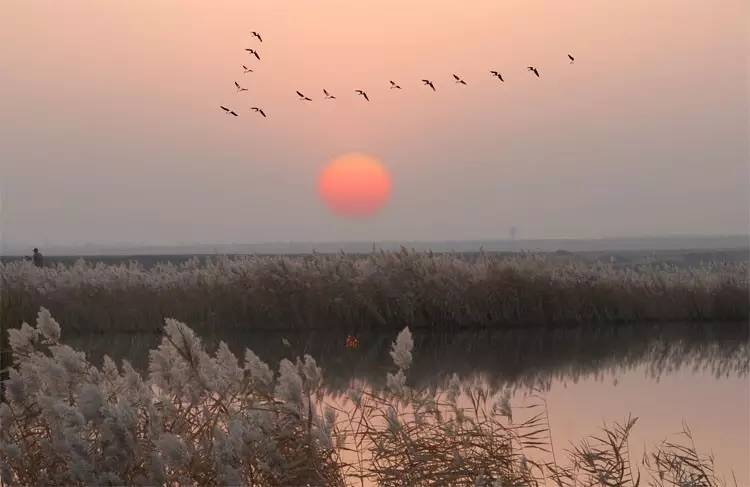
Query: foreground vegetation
{"x": 382, "y": 290}
{"x": 213, "y": 419}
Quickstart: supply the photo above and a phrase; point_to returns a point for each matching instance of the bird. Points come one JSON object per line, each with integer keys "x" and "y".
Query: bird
{"x": 395, "y": 86}
{"x": 257, "y": 35}
{"x": 247, "y": 70}
{"x": 228, "y": 111}
{"x": 497, "y": 75}
{"x": 258, "y": 110}
{"x": 458, "y": 79}
{"x": 303, "y": 97}
{"x": 328, "y": 95}
{"x": 239, "y": 88}
{"x": 533, "y": 70}
{"x": 360, "y": 92}
{"x": 572, "y": 59}
{"x": 254, "y": 53}
{"x": 428, "y": 83}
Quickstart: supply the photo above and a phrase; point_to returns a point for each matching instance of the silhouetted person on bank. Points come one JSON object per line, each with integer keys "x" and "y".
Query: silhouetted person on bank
{"x": 38, "y": 258}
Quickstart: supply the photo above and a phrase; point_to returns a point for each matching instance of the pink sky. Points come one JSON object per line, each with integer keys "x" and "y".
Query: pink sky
{"x": 110, "y": 129}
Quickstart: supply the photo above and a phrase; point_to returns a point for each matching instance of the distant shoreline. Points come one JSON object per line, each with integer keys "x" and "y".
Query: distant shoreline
{"x": 615, "y": 244}
{"x": 678, "y": 257}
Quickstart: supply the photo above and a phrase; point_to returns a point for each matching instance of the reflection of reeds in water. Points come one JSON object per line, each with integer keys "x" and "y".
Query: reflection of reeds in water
{"x": 527, "y": 359}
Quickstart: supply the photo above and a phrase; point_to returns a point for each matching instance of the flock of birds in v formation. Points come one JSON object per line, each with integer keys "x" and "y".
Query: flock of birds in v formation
{"x": 328, "y": 96}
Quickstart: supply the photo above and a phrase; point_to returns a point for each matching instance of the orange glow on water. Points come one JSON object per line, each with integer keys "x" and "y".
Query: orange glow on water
{"x": 355, "y": 185}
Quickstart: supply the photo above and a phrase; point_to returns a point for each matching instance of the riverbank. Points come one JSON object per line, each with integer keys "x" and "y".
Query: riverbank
{"x": 385, "y": 291}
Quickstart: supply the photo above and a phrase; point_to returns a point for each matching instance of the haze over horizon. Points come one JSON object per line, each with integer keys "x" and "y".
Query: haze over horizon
{"x": 110, "y": 130}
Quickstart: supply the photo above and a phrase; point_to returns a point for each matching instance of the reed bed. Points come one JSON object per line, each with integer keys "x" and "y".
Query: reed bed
{"x": 215, "y": 419}
{"x": 386, "y": 290}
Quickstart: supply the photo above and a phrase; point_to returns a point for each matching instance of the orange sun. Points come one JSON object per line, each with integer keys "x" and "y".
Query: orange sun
{"x": 355, "y": 185}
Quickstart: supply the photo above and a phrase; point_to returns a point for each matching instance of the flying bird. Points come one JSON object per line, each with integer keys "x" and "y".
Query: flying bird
{"x": 328, "y": 95}
{"x": 258, "y": 110}
{"x": 533, "y": 70}
{"x": 254, "y": 53}
{"x": 228, "y": 111}
{"x": 303, "y": 97}
{"x": 572, "y": 59}
{"x": 395, "y": 86}
{"x": 458, "y": 79}
{"x": 360, "y": 92}
{"x": 257, "y": 35}
{"x": 428, "y": 83}
{"x": 247, "y": 70}
{"x": 497, "y": 75}
{"x": 239, "y": 88}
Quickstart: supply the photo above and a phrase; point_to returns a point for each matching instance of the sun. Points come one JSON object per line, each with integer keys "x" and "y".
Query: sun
{"x": 355, "y": 185}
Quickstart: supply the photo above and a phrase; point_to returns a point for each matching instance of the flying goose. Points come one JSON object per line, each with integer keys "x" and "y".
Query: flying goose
{"x": 428, "y": 83}
{"x": 228, "y": 111}
{"x": 360, "y": 92}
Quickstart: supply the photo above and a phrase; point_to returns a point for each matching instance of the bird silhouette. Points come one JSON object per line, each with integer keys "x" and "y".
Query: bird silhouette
{"x": 395, "y": 86}
{"x": 257, "y": 35}
{"x": 258, "y": 110}
{"x": 303, "y": 97}
{"x": 247, "y": 70}
{"x": 497, "y": 75}
{"x": 428, "y": 83}
{"x": 360, "y": 92}
{"x": 533, "y": 70}
{"x": 459, "y": 80}
{"x": 228, "y": 111}
{"x": 254, "y": 53}
{"x": 572, "y": 59}
{"x": 328, "y": 95}
{"x": 239, "y": 88}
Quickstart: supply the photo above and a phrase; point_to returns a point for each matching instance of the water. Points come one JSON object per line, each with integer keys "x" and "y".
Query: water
{"x": 665, "y": 375}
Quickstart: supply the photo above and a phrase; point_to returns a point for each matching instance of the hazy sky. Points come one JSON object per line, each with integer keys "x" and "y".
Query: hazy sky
{"x": 110, "y": 129}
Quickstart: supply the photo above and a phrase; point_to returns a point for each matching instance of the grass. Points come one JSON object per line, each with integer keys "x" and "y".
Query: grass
{"x": 210, "y": 419}
{"x": 386, "y": 290}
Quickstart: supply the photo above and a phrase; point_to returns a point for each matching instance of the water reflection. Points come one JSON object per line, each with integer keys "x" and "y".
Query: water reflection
{"x": 663, "y": 374}
{"x": 519, "y": 358}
